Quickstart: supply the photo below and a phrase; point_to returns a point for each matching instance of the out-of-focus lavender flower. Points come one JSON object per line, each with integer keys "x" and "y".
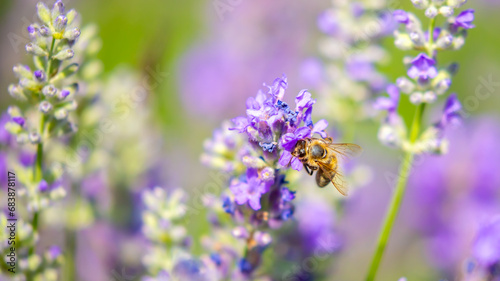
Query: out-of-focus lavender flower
{"x": 3, "y": 168}
{"x": 465, "y": 19}
{"x": 230, "y": 62}
{"x": 390, "y": 103}
{"x": 422, "y": 68}
{"x": 487, "y": 244}
{"x": 5, "y": 136}
{"x": 351, "y": 47}
{"x": 457, "y": 194}
{"x": 451, "y": 112}
{"x": 316, "y": 225}
{"x": 429, "y": 80}
{"x": 401, "y": 16}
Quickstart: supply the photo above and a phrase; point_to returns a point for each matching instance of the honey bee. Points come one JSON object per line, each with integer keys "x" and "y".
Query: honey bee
{"x": 321, "y": 154}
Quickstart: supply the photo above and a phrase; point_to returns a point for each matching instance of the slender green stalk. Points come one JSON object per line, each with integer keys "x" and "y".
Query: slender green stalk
{"x": 37, "y": 168}
{"x": 430, "y": 48}
{"x": 404, "y": 172}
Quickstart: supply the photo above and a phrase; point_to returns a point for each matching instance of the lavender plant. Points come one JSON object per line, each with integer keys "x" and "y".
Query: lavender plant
{"x": 352, "y": 51}
{"x": 255, "y": 152}
{"x": 47, "y": 94}
{"x": 425, "y": 83}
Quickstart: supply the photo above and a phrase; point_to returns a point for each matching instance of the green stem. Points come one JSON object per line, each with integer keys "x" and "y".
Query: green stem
{"x": 397, "y": 198}
{"x": 430, "y": 48}
{"x": 37, "y": 168}
{"x": 49, "y": 58}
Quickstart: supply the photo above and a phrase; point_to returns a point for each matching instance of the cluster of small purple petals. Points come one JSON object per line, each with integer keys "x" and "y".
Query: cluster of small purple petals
{"x": 51, "y": 43}
{"x": 261, "y": 142}
{"x": 250, "y": 189}
{"x": 425, "y": 81}
{"x": 422, "y": 68}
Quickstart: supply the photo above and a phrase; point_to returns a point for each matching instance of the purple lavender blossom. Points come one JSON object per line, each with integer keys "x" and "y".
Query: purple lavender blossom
{"x": 3, "y": 168}
{"x": 250, "y": 190}
{"x": 447, "y": 218}
{"x": 327, "y": 23}
{"x": 401, "y": 16}
{"x": 43, "y": 186}
{"x": 422, "y": 68}
{"x": 54, "y": 252}
{"x": 390, "y": 104}
{"x": 18, "y": 120}
{"x": 465, "y": 19}
{"x": 486, "y": 249}
{"x": 27, "y": 158}
{"x": 5, "y": 136}
{"x": 451, "y": 112}
{"x": 316, "y": 223}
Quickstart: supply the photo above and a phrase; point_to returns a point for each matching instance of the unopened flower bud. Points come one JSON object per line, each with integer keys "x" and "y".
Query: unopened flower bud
{"x": 431, "y": 12}
{"x": 45, "y": 107}
{"x": 446, "y": 11}
{"x": 43, "y": 12}
{"x": 402, "y": 41}
{"x": 61, "y": 114}
{"x": 442, "y": 86}
{"x": 49, "y": 91}
{"x": 417, "y": 38}
{"x": 71, "y": 15}
{"x": 64, "y": 54}
{"x": 63, "y": 94}
{"x": 456, "y": 3}
{"x": 28, "y": 84}
{"x": 57, "y": 9}
{"x": 72, "y": 34}
{"x": 39, "y": 75}
{"x": 405, "y": 85}
{"x": 22, "y": 71}
{"x": 16, "y": 91}
{"x": 34, "y": 138}
{"x": 34, "y": 49}
{"x": 458, "y": 42}
{"x": 60, "y": 23}
{"x": 32, "y": 32}
{"x": 13, "y": 111}
{"x": 444, "y": 42}
{"x": 416, "y": 98}
{"x": 420, "y": 4}
{"x": 429, "y": 97}
{"x": 44, "y": 31}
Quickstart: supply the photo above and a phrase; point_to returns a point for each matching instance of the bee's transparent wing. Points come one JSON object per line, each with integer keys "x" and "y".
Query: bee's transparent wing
{"x": 331, "y": 176}
{"x": 346, "y": 150}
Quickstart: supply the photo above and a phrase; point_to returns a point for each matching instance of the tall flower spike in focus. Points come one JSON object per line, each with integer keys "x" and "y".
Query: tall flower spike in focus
{"x": 46, "y": 94}
{"x": 255, "y": 153}
{"x": 425, "y": 82}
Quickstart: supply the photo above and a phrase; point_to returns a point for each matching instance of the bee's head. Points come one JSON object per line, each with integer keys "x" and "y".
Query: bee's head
{"x": 300, "y": 149}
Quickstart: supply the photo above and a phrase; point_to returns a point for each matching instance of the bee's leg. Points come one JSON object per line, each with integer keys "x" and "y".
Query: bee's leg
{"x": 329, "y": 139}
{"x": 307, "y": 169}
